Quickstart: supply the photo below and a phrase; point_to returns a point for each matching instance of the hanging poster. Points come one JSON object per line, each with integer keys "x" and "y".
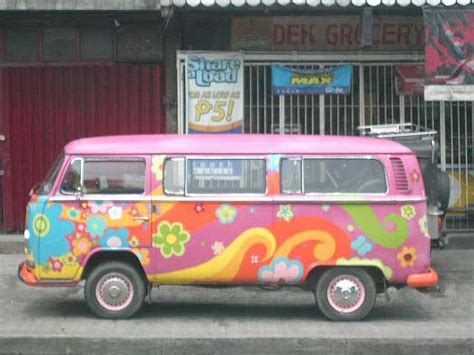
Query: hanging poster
{"x": 449, "y": 54}
{"x": 409, "y": 79}
{"x": 288, "y": 81}
{"x": 214, "y": 92}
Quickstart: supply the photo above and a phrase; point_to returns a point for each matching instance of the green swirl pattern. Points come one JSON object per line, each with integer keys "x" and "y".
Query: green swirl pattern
{"x": 368, "y": 222}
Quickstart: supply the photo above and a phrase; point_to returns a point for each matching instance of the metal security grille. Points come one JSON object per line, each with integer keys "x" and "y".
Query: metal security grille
{"x": 372, "y": 100}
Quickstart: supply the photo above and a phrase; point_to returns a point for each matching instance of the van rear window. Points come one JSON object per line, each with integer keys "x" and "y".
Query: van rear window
{"x": 333, "y": 175}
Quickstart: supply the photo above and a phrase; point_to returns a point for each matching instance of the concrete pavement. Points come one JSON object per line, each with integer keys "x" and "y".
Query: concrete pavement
{"x": 243, "y": 320}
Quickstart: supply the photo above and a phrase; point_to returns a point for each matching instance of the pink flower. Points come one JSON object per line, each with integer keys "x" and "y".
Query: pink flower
{"x": 56, "y": 265}
{"x": 97, "y": 207}
{"x": 281, "y": 271}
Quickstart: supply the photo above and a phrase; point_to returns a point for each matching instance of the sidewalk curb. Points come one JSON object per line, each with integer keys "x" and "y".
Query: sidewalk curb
{"x": 71, "y": 345}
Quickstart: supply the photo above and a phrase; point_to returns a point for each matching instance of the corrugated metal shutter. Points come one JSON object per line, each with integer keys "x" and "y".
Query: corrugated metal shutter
{"x": 45, "y": 107}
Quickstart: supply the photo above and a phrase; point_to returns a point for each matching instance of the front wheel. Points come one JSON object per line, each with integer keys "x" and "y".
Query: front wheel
{"x": 345, "y": 294}
{"x": 114, "y": 290}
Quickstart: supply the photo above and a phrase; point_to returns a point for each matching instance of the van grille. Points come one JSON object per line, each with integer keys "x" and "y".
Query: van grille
{"x": 401, "y": 181}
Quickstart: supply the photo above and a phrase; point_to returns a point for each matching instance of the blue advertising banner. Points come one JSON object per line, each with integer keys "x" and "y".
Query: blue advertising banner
{"x": 335, "y": 80}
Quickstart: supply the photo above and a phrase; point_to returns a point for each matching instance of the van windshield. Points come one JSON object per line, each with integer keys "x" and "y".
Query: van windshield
{"x": 46, "y": 186}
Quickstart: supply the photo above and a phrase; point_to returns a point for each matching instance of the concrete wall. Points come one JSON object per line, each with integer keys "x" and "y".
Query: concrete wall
{"x": 68, "y": 5}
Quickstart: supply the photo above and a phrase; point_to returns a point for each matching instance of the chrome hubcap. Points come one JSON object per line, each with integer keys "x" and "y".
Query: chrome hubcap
{"x": 114, "y": 292}
{"x": 346, "y": 293}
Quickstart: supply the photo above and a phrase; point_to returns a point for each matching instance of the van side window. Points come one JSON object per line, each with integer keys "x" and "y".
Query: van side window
{"x": 174, "y": 176}
{"x": 108, "y": 176}
{"x": 224, "y": 176}
{"x": 338, "y": 175}
{"x": 72, "y": 178}
{"x": 291, "y": 176}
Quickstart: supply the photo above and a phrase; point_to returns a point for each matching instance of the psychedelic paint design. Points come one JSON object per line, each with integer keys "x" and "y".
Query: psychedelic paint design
{"x": 265, "y": 242}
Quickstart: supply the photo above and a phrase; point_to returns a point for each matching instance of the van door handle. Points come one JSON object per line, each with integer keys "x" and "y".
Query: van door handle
{"x": 141, "y": 218}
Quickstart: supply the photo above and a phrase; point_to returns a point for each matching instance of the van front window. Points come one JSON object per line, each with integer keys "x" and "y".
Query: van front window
{"x": 46, "y": 186}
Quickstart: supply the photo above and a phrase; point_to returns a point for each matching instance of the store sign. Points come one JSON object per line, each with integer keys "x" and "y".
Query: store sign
{"x": 222, "y": 169}
{"x": 214, "y": 92}
{"x": 287, "y": 81}
{"x": 409, "y": 79}
{"x": 328, "y": 33}
{"x": 449, "y": 54}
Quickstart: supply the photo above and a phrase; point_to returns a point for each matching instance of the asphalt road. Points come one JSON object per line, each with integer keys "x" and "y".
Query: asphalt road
{"x": 242, "y": 320}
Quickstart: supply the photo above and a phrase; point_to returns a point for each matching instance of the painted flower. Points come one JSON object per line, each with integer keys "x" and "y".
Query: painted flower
{"x": 254, "y": 259}
{"x": 157, "y": 166}
{"x": 350, "y": 228}
{"x": 81, "y": 246}
{"x": 198, "y": 208}
{"x": 115, "y": 238}
{"x": 325, "y": 208}
{"x": 115, "y": 212}
{"x": 56, "y": 264}
{"x": 74, "y": 214}
{"x": 285, "y": 212}
{"x": 423, "y": 223}
{"x": 218, "y": 248}
{"x": 171, "y": 239}
{"x": 96, "y": 226}
{"x": 134, "y": 242}
{"x": 48, "y": 229}
{"x": 281, "y": 271}
{"x": 100, "y": 206}
{"x": 252, "y": 210}
{"x": 226, "y": 213}
{"x": 415, "y": 175}
{"x": 274, "y": 161}
{"x": 407, "y": 256}
{"x": 47, "y": 268}
{"x": 143, "y": 255}
{"x": 70, "y": 259}
{"x": 362, "y": 245}
{"x": 408, "y": 212}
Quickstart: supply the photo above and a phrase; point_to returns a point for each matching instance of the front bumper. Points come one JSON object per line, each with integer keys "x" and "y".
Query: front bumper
{"x": 427, "y": 279}
{"x": 28, "y": 278}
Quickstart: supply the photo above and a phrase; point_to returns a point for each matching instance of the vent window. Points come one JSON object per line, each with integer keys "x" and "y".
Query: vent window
{"x": 401, "y": 181}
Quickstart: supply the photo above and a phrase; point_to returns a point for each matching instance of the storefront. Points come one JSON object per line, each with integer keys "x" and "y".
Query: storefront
{"x": 385, "y": 48}
{"x": 66, "y": 76}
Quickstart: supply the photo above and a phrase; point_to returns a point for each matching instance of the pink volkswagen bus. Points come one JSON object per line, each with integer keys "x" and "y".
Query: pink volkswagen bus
{"x": 343, "y": 217}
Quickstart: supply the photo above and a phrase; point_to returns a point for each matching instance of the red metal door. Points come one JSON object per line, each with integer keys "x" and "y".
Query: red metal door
{"x": 43, "y": 108}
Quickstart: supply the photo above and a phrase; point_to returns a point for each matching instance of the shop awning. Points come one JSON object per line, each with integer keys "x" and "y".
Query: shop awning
{"x": 313, "y": 3}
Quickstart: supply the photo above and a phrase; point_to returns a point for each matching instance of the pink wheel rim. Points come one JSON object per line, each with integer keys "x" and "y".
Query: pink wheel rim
{"x": 114, "y": 292}
{"x": 346, "y": 293}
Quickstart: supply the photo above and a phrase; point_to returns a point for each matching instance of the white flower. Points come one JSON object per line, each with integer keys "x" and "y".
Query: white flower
{"x": 218, "y": 248}
{"x": 254, "y": 259}
{"x": 115, "y": 212}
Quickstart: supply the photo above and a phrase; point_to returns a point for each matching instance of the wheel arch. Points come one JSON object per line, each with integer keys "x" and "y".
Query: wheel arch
{"x": 102, "y": 256}
{"x": 375, "y": 272}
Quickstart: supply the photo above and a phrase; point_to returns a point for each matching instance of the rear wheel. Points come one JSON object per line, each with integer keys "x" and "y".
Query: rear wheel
{"x": 114, "y": 290}
{"x": 345, "y": 294}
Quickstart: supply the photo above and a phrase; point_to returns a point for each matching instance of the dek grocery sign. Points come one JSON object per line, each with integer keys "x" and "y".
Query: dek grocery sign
{"x": 214, "y": 92}
{"x": 287, "y": 81}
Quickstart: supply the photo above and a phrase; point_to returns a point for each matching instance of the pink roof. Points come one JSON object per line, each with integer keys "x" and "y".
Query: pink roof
{"x": 232, "y": 144}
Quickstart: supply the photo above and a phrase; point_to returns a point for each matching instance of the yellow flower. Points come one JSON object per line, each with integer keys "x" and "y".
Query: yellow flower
{"x": 81, "y": 246}
{"x": 408, "y": 212}
{"x": 407, "y": 256}
{"x": 134, "y": 242}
